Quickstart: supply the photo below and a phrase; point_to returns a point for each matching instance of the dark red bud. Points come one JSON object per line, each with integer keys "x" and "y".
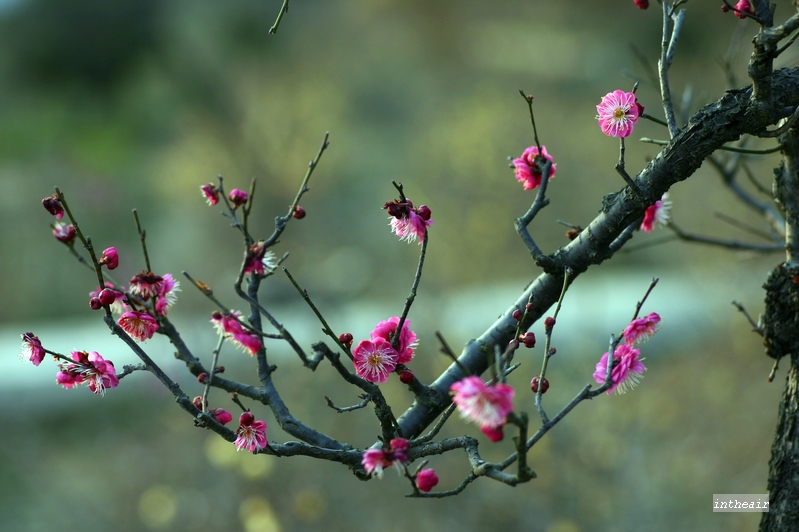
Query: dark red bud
{"x": 198, "y": 402}
{"x": 549, "y": 323}
{"x": 95, "y": 303}
{"x": 299, "y": 213}
{"x": 53, "y": 206}
{"x": 406, "y": 377}
{"x": 106, "y": 297}
{"x": 544, "y": 385}
{"x": 517, "y": 315}
{"x": 529, "y": 307}
{"x": 528, "y": 339}
{"x": 219, "y": 369}
{"x": 724, "y": 8}
{"x": 424, "y": 212}
{"x": 345, "y": 339}
{"x": 202, "y": 378}
{"x": 246, "y": 419}
{"x": 642, "y": 4}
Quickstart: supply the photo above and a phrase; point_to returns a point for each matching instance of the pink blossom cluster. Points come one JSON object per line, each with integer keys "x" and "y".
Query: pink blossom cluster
{"x": 375, "y": 460}
{"x": 251, "y": 434}
{"x": 628, "y": 370}
{"x": 488, "y": 405}
{"x": 376, "y": 358}
{"x": 529, "y": 167}
{"x": 89, "y": 368}
{"x": 79, "y": 368}
{"x": 229, "y": 326}
{"x": 408, "y": 222}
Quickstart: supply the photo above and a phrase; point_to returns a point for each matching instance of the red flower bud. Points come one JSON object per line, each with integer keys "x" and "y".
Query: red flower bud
{"x": 493, "y": 433}
{"x": 517, "y": 315}
{"x": 406, "y": 377}
{"x": 238, "y": 197}
{"x": 549, "y": 323}
{"x": 95, "y": 304}
{"x": 424, "y": 212}
{"x": 345, "y": 338}
{"x": 642, "y": 4}
{"x": 110, "y": 258}
{"x": 299, "y": 213}
{"x": 528, "y": 340}
{"x": 106, "y": 296}
{"x": 246, "y": 419}
{"x": 53, "y": 206}
{"x": 544, "y": 385}
{"x": 202, "y": 378}
{"x": 198, "y": 402}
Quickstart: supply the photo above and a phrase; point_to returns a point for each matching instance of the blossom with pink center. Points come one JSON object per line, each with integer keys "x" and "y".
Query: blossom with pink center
{"x": 167, "y": 296}
{"x": 53, "y": 206}
{"x": 407, "y": 338}
{"x": 110, "y": 258}
{"x": 374, "y": 360}
{"x": 486, "y": 405}
{"x": 375, "y": 460}
{"x": 641, "y": 329}
{"x": 139, "y": 325}
{"x": 657, "y": 214}
{"x": 251, "y": 434}
{"x": 210, "y": 193}
{"x": 426, "y": 480}
{"x": 530, "y": 166}
{"x": 259, "y": 260}
{"x": 618, "y": 113}
{"x": 65, "y": 233}
{"x": 146, "y": 284}
{"x": 238, "y": 197}
{"x": 627, "y": 372}
{"x": 32, "y": 349}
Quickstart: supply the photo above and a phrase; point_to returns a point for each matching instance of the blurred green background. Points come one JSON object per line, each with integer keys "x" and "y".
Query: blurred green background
{"x": 135, "y": 104}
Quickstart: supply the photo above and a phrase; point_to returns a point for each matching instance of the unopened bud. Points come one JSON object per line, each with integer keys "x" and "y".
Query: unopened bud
{"x": 424, "y": 212}
{"x": 544, "y": 385}
{"x": 246, "y": 419}
{"x": 528, "y": 339}
{"x": 345, "y": 339}
{"x": 517, "y": 315}
{"x": 219, "y": 369}
{"x": 549, "y": 323}
{"x": 95, "y": 304}
{"x": 198, "y": 402}
{"x": 299, "y": 213}
{"x": 202, "y": 378}
{"x": 406, "y": 377}
{"x": 106, "y": 297}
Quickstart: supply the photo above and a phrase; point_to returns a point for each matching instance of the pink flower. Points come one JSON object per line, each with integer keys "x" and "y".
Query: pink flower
{"x": 426, "y": 480}
{"x": 146, "y": 284}
{"x": 53, "y": 206}
{"x": 657, "y": 214}
{"x": 618, "y": 113}
{"x": 65, "y": 233}
{"x": 229, "y": 326}
{"x": 530, "y": 165}
{"x": 139, "y": 325}
{"x": 88, "y": 367}
{"x": 627, "y": 372}
{"x": 407, "y": 338}
{"x": 374, "y": 360}
{"x": 486, "y": 405}
{"x": 259, "y": 260}
{"x": 407, "y": 222}
{"x": 373, "y": 461}
{"x": 252, "y": 434}
{"x": 32, "y": 348}
{"x": 167, "y": 296}
{"x": 211, "y": 194}
{"x": 238, "y": 197}
{"x": 110, "y": 258}
{"x": 641, "y": 329}
{"x": 494, "y": 434}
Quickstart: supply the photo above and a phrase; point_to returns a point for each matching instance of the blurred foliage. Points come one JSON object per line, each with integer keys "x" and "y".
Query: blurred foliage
{"x": 135, "y": 103}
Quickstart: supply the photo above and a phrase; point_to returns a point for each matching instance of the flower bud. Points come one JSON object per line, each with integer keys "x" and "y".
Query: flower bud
{"x": 544, "y": 385}
{"x": 95, "y": 304}
{"x": 202, "y": 378}
{"x": 549, "y": 323}
{"x": 219, "y": 369}
{"x": 64, "y": 233}
{"x": 426, "y": 480}
{"x": 529, "y": 307}
{"x": 642, "y": 4}
{"x": 517, "y": 315}
{"x": 107, "y": 297}
{"x": 198, "y": 402}
{"x": 53, "y": 206}
{"x": 110, "y": 258}
{"x": 346, "y": 339}
{"x": 424, "y": 212}
{"x": 238, "y": 197}
{"x": 246, "y": 419}
{"x": 299, "y": 213}
{"x": 528, "y": 340}
{"x": 221, "y": 415}
{"x": 399, "y": 444}
{"x": 406, "y": 377}
{"x": 493, "y": 433}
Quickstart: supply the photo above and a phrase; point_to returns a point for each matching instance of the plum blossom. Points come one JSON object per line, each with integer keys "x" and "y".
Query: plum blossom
{"x": 110, "y": 258}
{"x": 259, "y": 260}
{"x": 627, "y": 372}
{"x": 374, "y": 359}
{"x": 408, "y": 222}
{"x": 139, "y": 325}
{"x": 32, "y": 349}
{"x": 657, "y": 214}
{"x": 210, "y": 193}
{"x": 167, "y": 296}
{"x": 407, "y": 338}
{"x": 221, "y": 415}
{"x": 375, "y": 460}
{"x": 618, "y": 113}
{"x": 530, "y": 165}
{"x": 65, "y": 233}
{"x": 426, "y": 480}
{"x": 251, "y": 434}
{"x": 229, "y": 326}
{"x": 238, "y": 197}
{"x": 641, "y": 329}
{"x": 146, "y": 284}
{"x": 89, "y": 368}
{"x": 118, "y": 306}
{"x": 487, "y": 405}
